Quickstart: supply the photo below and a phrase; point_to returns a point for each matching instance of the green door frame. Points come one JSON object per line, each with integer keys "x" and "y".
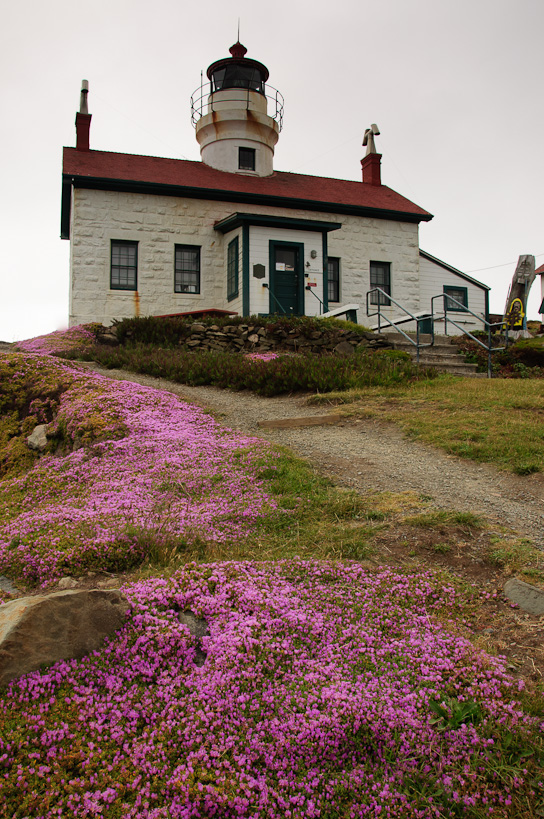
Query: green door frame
{"x": 272, "y": 244}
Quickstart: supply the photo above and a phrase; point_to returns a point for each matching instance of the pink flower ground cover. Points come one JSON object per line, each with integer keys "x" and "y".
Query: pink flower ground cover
{"x": 132, "y": 466}
{"x": 262, "y": 356}
{"x": 80, "y": 337}
{"x": 315, "y": 700}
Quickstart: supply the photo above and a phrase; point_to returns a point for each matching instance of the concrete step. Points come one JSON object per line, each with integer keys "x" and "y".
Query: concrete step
{"x": 440, "y": 342}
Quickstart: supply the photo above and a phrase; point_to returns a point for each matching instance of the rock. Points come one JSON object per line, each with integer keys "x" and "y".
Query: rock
{"x": 41, "y": 630}
{"x": 110, "y": 339}
{"x": 67, "y": 583}
{"x": 38, "y": 440}
{"x": 305, "y": 421}
{"x": 7, "y": 586}
{"x": 198, "y": 627}
{"x": 529, "y": 598}
{"x": 198, "y": 328}
{"x": 344, "y": 348}
{"x": 254, "y": 338}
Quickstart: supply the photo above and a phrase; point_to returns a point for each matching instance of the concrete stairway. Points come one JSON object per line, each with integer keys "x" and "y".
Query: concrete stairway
{"x": 443, "y": 355}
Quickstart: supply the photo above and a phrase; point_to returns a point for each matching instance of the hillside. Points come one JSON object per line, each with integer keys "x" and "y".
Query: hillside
{"x": 330, "y": 686}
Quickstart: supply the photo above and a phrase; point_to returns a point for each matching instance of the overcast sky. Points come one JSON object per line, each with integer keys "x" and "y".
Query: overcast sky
{"x": 455, "y": 87}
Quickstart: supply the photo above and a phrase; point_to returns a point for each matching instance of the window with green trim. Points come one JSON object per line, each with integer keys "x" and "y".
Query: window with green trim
{"x": 187, "y": 269}
{"x": 124, "y": 265}
{"x": 333, "y": 277}
{"x": 232, "y": 269}
{"x": 380, "y": 276}
{"x": 456, "y": 298}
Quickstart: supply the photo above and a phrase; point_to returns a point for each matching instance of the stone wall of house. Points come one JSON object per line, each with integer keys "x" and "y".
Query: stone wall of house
{"x": 158, "y": 223}
{"x": 361, "y": 241}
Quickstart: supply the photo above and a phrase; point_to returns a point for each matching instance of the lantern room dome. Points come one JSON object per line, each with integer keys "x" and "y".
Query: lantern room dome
{"x": 237, "y": 71}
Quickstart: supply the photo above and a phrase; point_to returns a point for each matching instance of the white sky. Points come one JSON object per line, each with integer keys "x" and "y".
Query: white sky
{"x": 454, "y": 85}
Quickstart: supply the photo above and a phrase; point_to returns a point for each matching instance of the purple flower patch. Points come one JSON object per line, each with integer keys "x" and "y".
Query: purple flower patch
{"x": 318, "y": 697}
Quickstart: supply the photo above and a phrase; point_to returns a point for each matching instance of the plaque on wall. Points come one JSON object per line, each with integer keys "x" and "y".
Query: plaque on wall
{"x": 258, "y": 271}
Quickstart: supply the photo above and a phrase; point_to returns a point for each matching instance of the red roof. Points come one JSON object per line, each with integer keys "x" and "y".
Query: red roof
{"x": 340, "y": 194}
{"x": 540, "y": 270}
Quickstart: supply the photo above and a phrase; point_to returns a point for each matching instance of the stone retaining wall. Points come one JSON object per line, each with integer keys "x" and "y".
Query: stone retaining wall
{"x": 260, "y": 338}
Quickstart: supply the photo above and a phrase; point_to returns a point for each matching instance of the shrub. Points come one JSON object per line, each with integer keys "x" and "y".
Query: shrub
{"x": 284, "y": 374}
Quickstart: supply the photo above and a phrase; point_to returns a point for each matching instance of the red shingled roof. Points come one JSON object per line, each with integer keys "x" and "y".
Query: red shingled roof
{"x": 180, "y": 173}
{"x": 540, "y": 270}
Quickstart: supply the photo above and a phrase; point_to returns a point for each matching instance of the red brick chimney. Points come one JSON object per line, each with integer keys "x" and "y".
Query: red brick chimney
{"x": 371, "y": 165}
{"x": 83, "y": 120}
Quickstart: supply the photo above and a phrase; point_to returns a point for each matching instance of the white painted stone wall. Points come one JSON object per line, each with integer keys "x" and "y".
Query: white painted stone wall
{"x": 259, "y": 245}
{"x": 362, "y": 240}
{"x": 158, "y": 223}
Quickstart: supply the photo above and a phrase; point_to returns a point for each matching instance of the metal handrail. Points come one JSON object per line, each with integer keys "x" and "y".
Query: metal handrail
{"x": 311, "y": 290}
{"x": 490, "y": 349}
{"x": 202, "y": 100}
{"x": 280, "y": 305}
{"x": 389, "y": 300}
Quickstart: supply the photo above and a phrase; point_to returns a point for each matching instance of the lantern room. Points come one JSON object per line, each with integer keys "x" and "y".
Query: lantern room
{"x": 238, "y": 116}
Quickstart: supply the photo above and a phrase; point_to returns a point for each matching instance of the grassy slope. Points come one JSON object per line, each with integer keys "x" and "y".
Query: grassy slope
{"x": 499, "y": 421}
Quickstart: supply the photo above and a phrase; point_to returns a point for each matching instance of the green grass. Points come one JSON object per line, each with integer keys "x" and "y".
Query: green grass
{"x": 324, "y": 522}
{"x": 498, "y": 421}
{"x": 429, "y": 520}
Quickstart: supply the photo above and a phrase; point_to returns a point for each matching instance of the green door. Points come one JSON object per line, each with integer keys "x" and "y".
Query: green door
{"x": 286, "y": 279}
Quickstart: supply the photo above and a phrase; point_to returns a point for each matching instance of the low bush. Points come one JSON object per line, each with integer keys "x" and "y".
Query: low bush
{"x": 521, "y": 359}
{"x": 284, "y": 374}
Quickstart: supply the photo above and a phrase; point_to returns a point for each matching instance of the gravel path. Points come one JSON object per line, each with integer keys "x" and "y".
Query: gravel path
{"x": 368, "y": 455}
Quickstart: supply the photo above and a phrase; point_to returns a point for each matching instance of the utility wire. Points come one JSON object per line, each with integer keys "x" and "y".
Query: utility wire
{"x": 506, "y": 264}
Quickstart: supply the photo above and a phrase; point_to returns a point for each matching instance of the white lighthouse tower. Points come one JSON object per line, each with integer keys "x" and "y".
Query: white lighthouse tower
{"x": 238, "y": 117}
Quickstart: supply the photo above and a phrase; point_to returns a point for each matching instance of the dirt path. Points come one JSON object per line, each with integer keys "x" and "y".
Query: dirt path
{"x": 368, "y": 455}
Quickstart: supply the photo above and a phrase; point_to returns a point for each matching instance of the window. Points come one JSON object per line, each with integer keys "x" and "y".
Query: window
{"x": 380, "y": 276}
{"x": 124, "y": 265}
{"x": 246, "y": 159}
{"x": 333, "y": 270}
{"x": 232, "y": 269}
{"x": 187, "y": 269}
{"x": 460, "y": 294}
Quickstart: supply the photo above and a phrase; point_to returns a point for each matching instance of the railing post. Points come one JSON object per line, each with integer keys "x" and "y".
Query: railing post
{"x": 489, "y": 351}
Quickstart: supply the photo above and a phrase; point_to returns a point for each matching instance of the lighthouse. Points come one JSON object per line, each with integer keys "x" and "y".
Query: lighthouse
{"x": 237, "y": 116}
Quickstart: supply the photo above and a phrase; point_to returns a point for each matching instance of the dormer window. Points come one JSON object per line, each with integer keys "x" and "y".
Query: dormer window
{"x": 246, "y": 159}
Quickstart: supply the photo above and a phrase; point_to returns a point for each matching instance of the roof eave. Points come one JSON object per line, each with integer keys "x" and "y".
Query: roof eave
{"x": 449, "y": 267}
{"x": 190, "y": 192}
{"x": 236, "y": 220}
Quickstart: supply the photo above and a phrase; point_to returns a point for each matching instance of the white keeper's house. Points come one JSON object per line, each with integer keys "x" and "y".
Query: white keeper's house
{"x": 157, "y": 236}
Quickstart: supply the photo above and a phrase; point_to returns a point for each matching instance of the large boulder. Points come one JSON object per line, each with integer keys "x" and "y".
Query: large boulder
{"x": 38, "y": 631}
{"x": 528, "y": 597}
{"x": 38, "y": 440}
